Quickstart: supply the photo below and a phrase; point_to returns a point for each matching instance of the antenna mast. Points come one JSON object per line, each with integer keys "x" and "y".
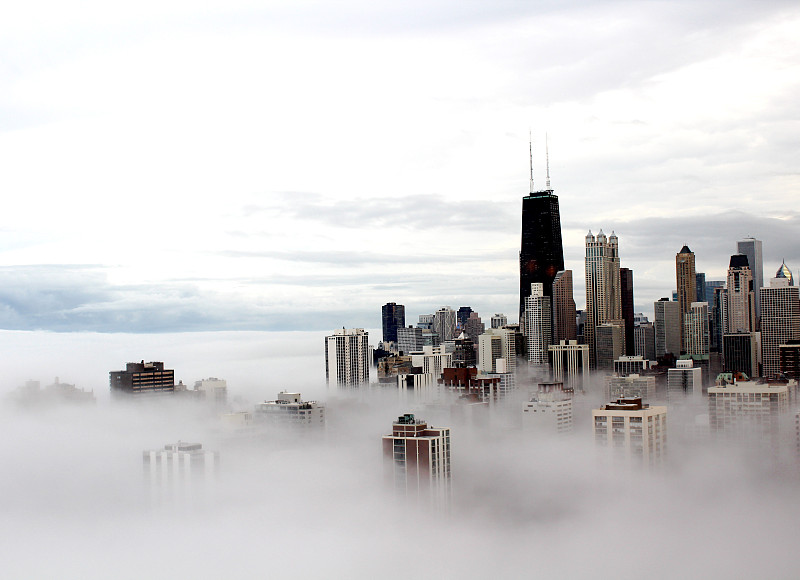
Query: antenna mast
{"x": 530, "y": 153}
{"x": 547, "y": 156}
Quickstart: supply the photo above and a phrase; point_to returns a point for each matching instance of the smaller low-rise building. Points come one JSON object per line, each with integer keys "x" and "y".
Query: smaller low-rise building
{"x": 636, "y": 430}
{"x": 549, "y": 411}
{"x": 632, "y": 385}
{"x": 289, "y": 408}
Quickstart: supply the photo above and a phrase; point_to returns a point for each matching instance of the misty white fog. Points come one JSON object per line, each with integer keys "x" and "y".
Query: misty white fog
{"x": 75, "y": 503}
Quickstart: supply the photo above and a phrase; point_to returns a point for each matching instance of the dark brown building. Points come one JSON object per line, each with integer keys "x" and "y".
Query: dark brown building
{"x": 142, "y": 377}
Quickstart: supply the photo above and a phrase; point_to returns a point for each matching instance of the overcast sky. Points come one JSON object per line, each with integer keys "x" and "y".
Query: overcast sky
{"x": 279, "y": 165}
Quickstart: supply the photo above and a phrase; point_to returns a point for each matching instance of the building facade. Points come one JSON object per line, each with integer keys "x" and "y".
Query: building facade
{"x": 569, "y": 362}
{"x": 538, "y": 331}
{"x": 563, "y": 306}
{"x": 686, "y": 279}
{"x": 347, "y": 358}
{"x": 393, "y": 317}
{"x": 667, "y": 328}
{"x": 549, "y": 411}
{"x": 780, "y": 322}
{"x": 142, "y": 378}
{"x": 685, "y": 380}
{"x": 290, "y": 409}
{"x": 603, "y": 300}
{"x": 636, "y": 430}
{"x": 751, "y": 248}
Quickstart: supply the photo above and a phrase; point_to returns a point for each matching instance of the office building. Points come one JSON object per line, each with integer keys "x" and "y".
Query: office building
{"x": 789, "y": 355}
{"x": 636, "y": 430}
{"x": 549, "y": 411}
{"x": 751, "y": 248}
{"x": 473, "y": 327}
{"x": 603, "y": 300}
{"x": 785, "y": 272}
{"x": 695, "y": 330}
{"x": 739, "y": 298}
{"x": 633, "y": 385}
{"x": 347, "y": 358}
{"x": 629, "y": 365}
{"x": 541, "y": 254}
{"x": 610, "y": 343}
{"x": 538, "y": 318}
{"x": 445, "y": 322}
{"x": 462, "y": 314}
{"x": 417, "y": 459}
{"x": 700, "y": 277}
{"x": 497, "y": 350}
{"x": 394, "y": 317}
{"x": 465, "y": 353}
{"x": 686, "y": 279}
{"x": 780, "y": 322}
{"x": 179, "y": 469}
{"x": 741, "y": 353}
{"x": 142, "y": 378}
{"x": 563, "y": 306}
{"x": 626, "y": 301}
{"x": 685, "y": 380}
{"x": 290, "y": 409}
{"x": 425, "y": 321}
{"x": 667, "y": 328}
{"x": 644, "y": 340}
{"x": 570, "y": 363}
{"x": 500, "y": 320}
{"x": 409, "y": 339}
{"x": 432, "y": 360}
{"x": 716, "y": 315}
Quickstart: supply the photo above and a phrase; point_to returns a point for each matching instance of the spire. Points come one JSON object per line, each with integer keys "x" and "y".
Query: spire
{"x": 530, "y": 153}
{"x": 547, "y": 157}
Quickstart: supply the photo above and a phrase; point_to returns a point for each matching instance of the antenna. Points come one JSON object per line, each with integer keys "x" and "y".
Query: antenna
{"x": 530, "y": 152}
{"x": 547, "y": 156}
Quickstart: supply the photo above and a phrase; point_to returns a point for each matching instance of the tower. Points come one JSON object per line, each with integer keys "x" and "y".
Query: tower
{"x": 626, "y": 300}
{"x": 686, "y": 279}
{"x": 394, "y": 317}
{"x": 751, "y": 248}
{"x": 667, "y": 326}
{"x": 538, "y": 332}
{"x": 347, "y": 357}
{"x": 780, "y": 321}
{"x": 541, "y": 254}
{"x": 563, "y": 305}
{"x": 739, "y": 298}
{"x": 603, "y": 300}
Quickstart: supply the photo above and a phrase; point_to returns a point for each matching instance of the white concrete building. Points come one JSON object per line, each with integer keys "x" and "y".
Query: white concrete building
{"x": 748, "y": 408}
{"x": 499, "y": 320}
{"x": 213, "y": 389}
{"x": 637, "y": 431}
{"x": 289, "y": 408}
{"x": 570, "y": 363}
{"x": 549, "y": 411}
{"x": 495, "y": 344}
{"x": 630, "y": 386}
{"x": 685, "y": 380}
{"x": 538, "y": 324}
{"x": 432, "y": 359}
{"x": 179, "y": 469}
{"x": 347, "y": 359}
{"x": 628, "y": 365}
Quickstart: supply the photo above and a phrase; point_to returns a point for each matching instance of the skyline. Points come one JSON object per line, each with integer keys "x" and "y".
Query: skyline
{"x": 170, "y": 168}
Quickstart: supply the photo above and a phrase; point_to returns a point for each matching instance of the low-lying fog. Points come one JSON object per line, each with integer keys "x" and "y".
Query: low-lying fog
{"x": 75, "y": 503}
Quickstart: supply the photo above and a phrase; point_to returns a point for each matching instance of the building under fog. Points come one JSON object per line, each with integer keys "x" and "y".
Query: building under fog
{"x": 179, "y": 468}
{"x": 633, "y": 429}
{"x": 747, "y": 407}
{"x": 630, "y": 386}
{"x": 290, "y": 409}
{"x": 417, "y": 459}
{"x": 549, "y": 411}
{"x": 347, "y": 358}
{"x": 685, "y": 380}
{"x": 142, "y": 378}
{"x": 570, "y": 363}
{"x": 212, "y": 389}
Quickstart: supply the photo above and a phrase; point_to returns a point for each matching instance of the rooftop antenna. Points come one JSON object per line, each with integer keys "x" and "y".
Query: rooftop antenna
{"x": 530, "y": 152}
{"x": 547, "y": 156}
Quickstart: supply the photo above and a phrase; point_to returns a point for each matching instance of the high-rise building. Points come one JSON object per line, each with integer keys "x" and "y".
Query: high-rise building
{"x": 635, "y": 429}
{"x": 462, "y": 315}
{"x": 347, "y": 357}
{"x": 633, "y": 385}
{"x": 445, "y": 322}
{"x": 570, "y": 363}
{"x": 179, "y": 469}
{"x": 626, "y": 301}
{"x": 751, "y": 248}
{"x": 433, "y": 360}
{"x": 473, "y": 327}
{"x": 496, "y": 344}
{"x": 500, "y": 320}
{"x": 785, "y": 272}
{"x": 739, "y": 300}
{"x": 290, "y": 409}
{"x": 667, "y": 327}
{"x": 684, "y": 380}
{"x": 610, "y": 344}
{"x": 465, "y": 354}
{"x": 789, "y": 355}
{"x": 549, "y": 411}
{"x": 142, "y": 378}
{"x": 213, "y": 389}
{"x": 409, "y": 339}
{"x": 695, "y": 330}
{"x": 630, "y": 365}
{"x": 563, "y": 306}
{"x": 644, "y": 340}
{"x": 748, "y": 408}
{"x": 740, "y": 352}
{"x": 538, "y": 332}
{"x": 541, "y": 254}
{"x": 780, "y": 322}
{"x": 425, "y": 321}
{"x": 715, "y": 291}
{"x": 701, "y": 287}
{"x": 686, "y": 279}
{"x": 603, "y": 300}
{"x": 417, "y": 459}
{"x": 394, "y": 317}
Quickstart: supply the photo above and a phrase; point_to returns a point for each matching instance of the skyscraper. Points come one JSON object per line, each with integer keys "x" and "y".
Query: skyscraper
{"x": 667, "y": 323}
{"x": 445, "y": 322}
{"x": 695, "y": 331}
{"x": 780, "y": 322}
{"x": 739, "y": 297}
{"x": 626, "y": 300}
{"x": 751, "y": 248}
{"x": 686, "y": 279}
{"x": 418, "y": 461}
{"x": 538, "y": 332}
{"x": 347, "y": 357}
{"x": 563, "y": 306}
{"x": 541, "y": 254}
{"x": 394, "y": 317}
{"x": 603, "y": 300}
{"x": 635, "y": 429}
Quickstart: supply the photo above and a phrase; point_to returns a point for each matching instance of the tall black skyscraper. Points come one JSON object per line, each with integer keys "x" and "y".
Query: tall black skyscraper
{"x": 626, "y": 295}
{"x": 394, "y": 317}
{"x": 541, "y": 254}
